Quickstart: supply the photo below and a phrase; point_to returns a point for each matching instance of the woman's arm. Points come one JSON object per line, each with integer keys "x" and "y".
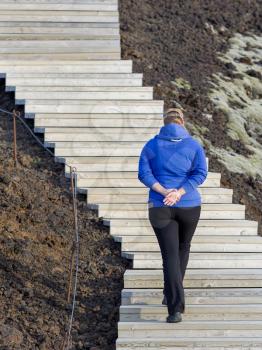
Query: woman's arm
{"x": 198, "y": 172}
{"x": 145, "y": 174}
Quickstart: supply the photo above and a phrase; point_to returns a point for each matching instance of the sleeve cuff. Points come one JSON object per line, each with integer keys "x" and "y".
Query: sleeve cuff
{"x": 149, "y": 182}
{"x": 187, "y": 186}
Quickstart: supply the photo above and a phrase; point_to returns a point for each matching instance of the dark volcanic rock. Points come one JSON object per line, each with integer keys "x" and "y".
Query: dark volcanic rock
{"x": 181, "y": 40}
{"x": 10, "y": 336}
{"x": 36, "y": 232}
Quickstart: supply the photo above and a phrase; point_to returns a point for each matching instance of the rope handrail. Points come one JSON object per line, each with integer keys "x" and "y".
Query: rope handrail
{"x": 18, "y": 115}
{"x": 75, "y": 245}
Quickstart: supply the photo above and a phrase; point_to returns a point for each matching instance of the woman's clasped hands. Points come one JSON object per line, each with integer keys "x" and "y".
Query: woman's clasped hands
{"x": 173, "y": 195}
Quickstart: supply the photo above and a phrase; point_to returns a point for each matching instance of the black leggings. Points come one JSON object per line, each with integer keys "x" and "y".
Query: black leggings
{"x": 174, "y": 228}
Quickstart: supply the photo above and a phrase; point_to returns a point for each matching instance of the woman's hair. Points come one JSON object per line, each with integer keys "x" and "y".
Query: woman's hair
{"x": 174, "y": 115}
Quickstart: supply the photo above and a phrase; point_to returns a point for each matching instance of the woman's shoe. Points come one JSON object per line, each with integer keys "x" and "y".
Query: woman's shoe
{"x": 177, "y": 317}
{"x": 164, "y": 302}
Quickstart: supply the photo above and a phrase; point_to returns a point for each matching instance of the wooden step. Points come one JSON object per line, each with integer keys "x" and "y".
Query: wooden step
{"x": 193, "y": 312}
{"x": 32, "y": 45}
{"x": 194, "y": 296}
{"x": 56, "y": 29}
{"x": 212, "y": 227}
{"x": 139, "y": 136}
{"x": 144, "y": 206}
{"x": 16, "y": 68}
{"x": 42, "y": 36}
{"x": 120, "y": 79}
{"x": 199, "y": 247}
{"x": 91, "y": 164}
{"x": 59, "y": 16}
{"x": 133, "y": 199}
{"x": 199, "y": 243}
{"x": 64, "y": 65}
{"x": 208, "y": 239}
{"x": 71, "y": 48}
{"x": 57, "y": 6}
{"x": 88, "y": 106}
{"x": 197, "y": 278}
{"x": 34, "y": 57}
{"x": 144, "y": 190}
{"x": 93, "y": 102}
{"x": 60, "y": 123}
{"x": 205, "y": 214}
{"x": 205, "y": 328}
{"x": 83, "y": 89}
{"x": 190, "y": 343}
{"x": 104, "y": 130}
{"x": 222, "y": 227}
{"x": 211, "y": 258}
{"x": 85, "y": 79}
{"x": 124, "y": 182}
{"x": 140, "y": 94}
{"x": 95, "y": 123}
{"x": 144, "y": 223}
{"x": 101, "y": 144}
{"x": 151, "y": 119}
{"x": 58, "y": 25}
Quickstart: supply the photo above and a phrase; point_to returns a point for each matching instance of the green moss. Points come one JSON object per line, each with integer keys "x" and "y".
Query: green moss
{"x": 240, "y": 100}
{"x": 182, "y": 83}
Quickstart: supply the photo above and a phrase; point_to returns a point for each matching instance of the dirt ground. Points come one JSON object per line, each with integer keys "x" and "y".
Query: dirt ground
{"x": 36, "y": 229}
{"x": 175, "y": 44}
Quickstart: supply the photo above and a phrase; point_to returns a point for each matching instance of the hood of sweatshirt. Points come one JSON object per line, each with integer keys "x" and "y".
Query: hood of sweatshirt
{"x": 173, "y": 132}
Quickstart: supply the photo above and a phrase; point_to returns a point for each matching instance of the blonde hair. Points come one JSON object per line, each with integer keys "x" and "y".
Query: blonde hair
{"x": 174, "y": 115}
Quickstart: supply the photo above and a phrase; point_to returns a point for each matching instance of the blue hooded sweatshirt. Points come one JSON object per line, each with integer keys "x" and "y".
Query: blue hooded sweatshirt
{"x": 174, "y": 159}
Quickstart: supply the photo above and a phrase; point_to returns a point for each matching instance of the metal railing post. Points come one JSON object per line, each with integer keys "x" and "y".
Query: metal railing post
{"x": 15, "y": 114}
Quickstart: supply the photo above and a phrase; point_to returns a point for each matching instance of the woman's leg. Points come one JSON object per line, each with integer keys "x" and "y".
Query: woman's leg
{"x": 160, "y": 217}
{"x": 187, "y": 218}
{"x": 166, "y": 230}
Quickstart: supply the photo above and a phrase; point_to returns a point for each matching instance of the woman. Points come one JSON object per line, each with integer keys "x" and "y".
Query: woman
{"x": 173, "y": 164}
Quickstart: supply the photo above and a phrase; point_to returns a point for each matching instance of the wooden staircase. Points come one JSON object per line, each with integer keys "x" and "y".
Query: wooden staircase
{"x": 62, "y": 59}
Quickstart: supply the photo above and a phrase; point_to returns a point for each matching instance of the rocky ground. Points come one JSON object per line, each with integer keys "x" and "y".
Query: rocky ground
{"x": 36, "y": 229}
{"x": 193, "y": 52}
